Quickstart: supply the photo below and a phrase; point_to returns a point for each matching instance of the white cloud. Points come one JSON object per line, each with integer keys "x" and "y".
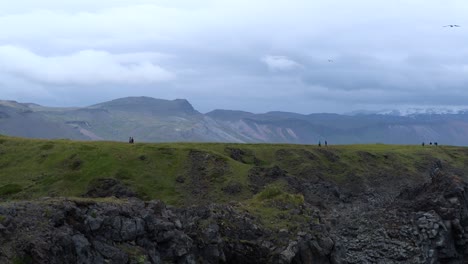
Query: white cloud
{"x": 85, "y": 67}
{"x": 280, "y": 63}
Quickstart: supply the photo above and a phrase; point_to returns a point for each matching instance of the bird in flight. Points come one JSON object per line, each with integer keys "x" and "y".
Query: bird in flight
{"x": 330, "y": 60}
{"x": 452, "y": 26}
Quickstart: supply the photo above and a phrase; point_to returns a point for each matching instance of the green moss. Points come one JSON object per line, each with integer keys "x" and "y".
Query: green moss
{"x": 141, "y": 259}
{"x": 273, "y": 206}
{"x": 275, "y": 194}
{"x": 269, "y": 193}
{"x": 10, "y": 189}
{"x": 23, "y": 260}
{"x": 135, "y": 253}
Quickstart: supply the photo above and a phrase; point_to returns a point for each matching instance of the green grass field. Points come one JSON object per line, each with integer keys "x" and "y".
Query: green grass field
{"x": 31, "y": 169}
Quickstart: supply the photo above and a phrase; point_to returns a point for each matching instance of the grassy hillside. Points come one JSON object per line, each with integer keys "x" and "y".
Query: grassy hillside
{"x": 192, "y": 173}
{"x": 280, "y": 184}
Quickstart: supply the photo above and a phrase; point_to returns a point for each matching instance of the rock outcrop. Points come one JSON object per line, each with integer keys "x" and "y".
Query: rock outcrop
{"x": 424, "y": 224}
{"x": 427, "y": 223}
{"x": 133, "y": 231}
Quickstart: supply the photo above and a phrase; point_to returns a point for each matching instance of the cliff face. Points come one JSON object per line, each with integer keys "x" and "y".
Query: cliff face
{"x": 427, "y": 223}
{"x": 424, "y": 224}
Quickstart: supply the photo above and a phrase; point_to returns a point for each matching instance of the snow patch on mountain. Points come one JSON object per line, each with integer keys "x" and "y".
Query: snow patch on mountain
{"x": 413, "y": 111}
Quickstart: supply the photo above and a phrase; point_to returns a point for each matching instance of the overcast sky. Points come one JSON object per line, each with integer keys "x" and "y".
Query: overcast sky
{"x": 254, "y": 55}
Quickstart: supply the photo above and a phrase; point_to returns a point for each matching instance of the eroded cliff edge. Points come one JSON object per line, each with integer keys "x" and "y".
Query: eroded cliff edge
{"x": 427, "y": 223}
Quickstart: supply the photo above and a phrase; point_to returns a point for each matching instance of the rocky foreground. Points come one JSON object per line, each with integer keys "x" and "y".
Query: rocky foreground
{"x": 427, "y": 223}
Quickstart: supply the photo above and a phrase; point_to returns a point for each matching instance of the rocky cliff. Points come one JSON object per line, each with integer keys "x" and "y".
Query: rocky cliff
{"x": 426, "y": 223}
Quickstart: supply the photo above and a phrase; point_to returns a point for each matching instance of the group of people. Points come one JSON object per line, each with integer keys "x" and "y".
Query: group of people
{"x": 320, "y": 143}
{"x": 132, "y": 141}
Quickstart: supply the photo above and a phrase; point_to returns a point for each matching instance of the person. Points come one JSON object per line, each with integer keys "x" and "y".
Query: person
{"x": 423, "y": 144}
{"x": 435, "y": 143}
{"x": 430, "y": 143}
{"x": 326, "y": 143}
{"x": 320, "y": 144}
{"x": 131, "y": 140}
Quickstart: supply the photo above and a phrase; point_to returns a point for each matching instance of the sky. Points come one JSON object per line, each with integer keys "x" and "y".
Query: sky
{"x": 265, "y": 55}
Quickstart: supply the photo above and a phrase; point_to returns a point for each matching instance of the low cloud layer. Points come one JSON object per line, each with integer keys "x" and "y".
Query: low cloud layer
{"x": 289, "y": 55}
{"x": 88, "y": 67}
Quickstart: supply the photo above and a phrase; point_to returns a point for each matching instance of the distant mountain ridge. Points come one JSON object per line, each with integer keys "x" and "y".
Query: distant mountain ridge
{"x": 156, "y": 120}
{"x": 413, "y": 111}
{"x": 148, "y": 105}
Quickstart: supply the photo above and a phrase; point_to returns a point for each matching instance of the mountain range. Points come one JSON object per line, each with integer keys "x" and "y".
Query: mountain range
{"x": 156, "y": 120}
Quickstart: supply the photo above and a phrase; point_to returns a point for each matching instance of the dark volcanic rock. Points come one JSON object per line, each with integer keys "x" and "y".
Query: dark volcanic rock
{"x": 84, "y": 231}
{"x": 232, "y": 188}
{"x": 244, "y": 156}
{"x": 329, "y": 155}
{"x": 66, "y": 231}
{"x": 320, "y": 193}
{"x": 441, "y": 214}
{"x": 261, "y": 176}
{"x": 203, "y": 168}
{"x": 427, "y": 223}
{"x": 108, "y": 188}
{"x": 424, "y": 224}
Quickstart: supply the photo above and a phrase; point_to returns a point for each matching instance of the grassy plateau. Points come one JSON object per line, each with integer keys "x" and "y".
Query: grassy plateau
{"x": 185, "y": 174}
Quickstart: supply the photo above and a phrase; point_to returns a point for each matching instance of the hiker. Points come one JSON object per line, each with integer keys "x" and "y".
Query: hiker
{"x": 130, "y": 140}
{"x": 326, "y": 143}
{"x": 430, "y": 143}
{"x": 423, "y": 144}
{"x": 320, "y": 144}
{"x": 435, "y": 143}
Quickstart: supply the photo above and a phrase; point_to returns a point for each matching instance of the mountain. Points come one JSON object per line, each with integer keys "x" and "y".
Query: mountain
{"x": 156, "y": 120}
{"x": 148, "y": 106}
{"x": 20, "y": 120}
{"x": 281, "y": 127}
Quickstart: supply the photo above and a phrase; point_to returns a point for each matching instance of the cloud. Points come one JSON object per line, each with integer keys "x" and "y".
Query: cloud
{"x": 237, "y": 53}
{"x": 85, "y": 67}
{"x": 280, "y": 63}
{"x": 419, "y": 73}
